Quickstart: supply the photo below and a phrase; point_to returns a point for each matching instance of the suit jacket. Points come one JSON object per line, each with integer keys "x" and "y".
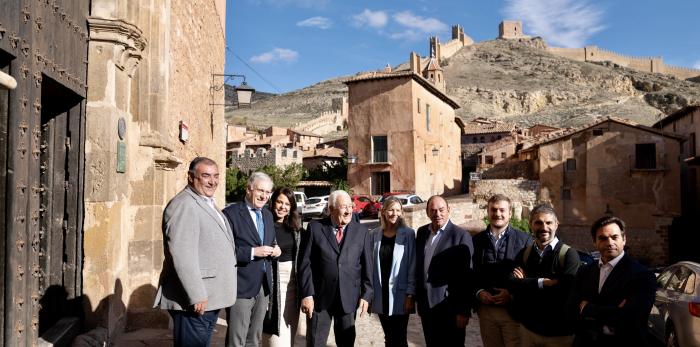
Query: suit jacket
{"x": 628, "y": 281}
{"x": 402, "y": 278}
{"x": 450, "y": 271}
{"x": 250, "y": 272}
{"x": 326, "y": 270}
{"x": 200, "y": 259}
{"x": 491, "y": 275}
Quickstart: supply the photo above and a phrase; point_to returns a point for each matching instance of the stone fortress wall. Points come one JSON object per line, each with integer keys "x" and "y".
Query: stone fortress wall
{"x": 329, "y": 121}
{"x": 510, "y": 30}
{"x": 249, "y": 160}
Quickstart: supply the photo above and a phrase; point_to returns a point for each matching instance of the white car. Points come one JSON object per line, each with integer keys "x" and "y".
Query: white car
{"x": 314, "y": 206}
{"x": 409, "y": 199}
{"x": 300, "y": 198}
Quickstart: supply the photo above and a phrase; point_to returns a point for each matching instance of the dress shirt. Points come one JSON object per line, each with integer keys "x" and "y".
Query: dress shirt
{"x": 254, "y": 217}
{"x": 550, "y": 246}
{"x": 433, "y": 238}
{"x": 496, "y": 238}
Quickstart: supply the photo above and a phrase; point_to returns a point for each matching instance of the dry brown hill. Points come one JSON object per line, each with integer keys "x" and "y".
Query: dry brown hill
{"x": 517, "y": 81}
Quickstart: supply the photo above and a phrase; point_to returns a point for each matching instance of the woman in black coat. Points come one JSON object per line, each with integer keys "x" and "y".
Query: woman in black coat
{"x": 283, "y": 315}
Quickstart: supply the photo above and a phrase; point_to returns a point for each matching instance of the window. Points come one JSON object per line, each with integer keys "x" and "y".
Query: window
{"x": 566, "y": 194}
{"x": 498, "y": 137}
{"x": 691, "y": 145}
{"x": 489, "y": 159}
{"x": 597, "y": 132}
{"x": 427, "y": 117}
{"x": 418, "y": 104}
{"x": 503, "y": 155}
{"x": 379, "y": 149}
{"x": 570, "y": 164}
{"x": 645, "y": 156}
{"x": 380, "y": 182}
{"x": 492, "y": 139}
{"x": 482, "y": 139}
{"x": 475, "y": 139}
{"x": 416, "y": 200}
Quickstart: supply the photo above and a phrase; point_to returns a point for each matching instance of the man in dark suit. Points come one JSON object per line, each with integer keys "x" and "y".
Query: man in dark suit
{"x": 443, "y": 276}
{"x": 199, "y": 274}
{"x": 612, "y": 299}
{"x": 335, "y": 269}
{"x": 254, "y": 232}
{"x": 494, "y": 260}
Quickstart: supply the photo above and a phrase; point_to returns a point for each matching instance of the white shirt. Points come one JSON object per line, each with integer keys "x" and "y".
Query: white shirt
{"x": 254, "y": 217}
{"x": 606, "y": 269}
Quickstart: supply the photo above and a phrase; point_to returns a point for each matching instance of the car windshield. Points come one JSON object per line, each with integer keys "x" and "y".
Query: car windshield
{"x": 313, "y": 201}
{"x": 403, "y": 201}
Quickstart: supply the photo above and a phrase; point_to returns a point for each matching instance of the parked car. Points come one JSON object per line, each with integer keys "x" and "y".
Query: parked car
{"x": 300, "y": 198}
{"x": 409, "y": 199}
{"x": 388, "y": 194}
{"x": 365, "y": 206}
{"x": 314, "y": 207}
{"x": 675, "y": 316}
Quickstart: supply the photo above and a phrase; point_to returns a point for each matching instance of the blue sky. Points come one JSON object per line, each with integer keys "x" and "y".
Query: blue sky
{"x": 283, "y": 45}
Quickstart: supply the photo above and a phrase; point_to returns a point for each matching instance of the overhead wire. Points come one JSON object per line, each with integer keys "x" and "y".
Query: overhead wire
{"x": 254, "y": 71}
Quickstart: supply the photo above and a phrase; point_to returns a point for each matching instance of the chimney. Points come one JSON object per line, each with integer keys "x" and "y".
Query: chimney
{"x": 415, "y": 63}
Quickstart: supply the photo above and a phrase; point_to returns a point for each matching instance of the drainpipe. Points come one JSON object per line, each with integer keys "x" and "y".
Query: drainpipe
{"x": 7, "y": 81}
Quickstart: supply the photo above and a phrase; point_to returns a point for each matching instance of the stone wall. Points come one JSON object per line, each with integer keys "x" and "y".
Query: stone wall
{"x": 647, "y": 64}
{"x": 523, "y": 193}
{"x": 464, "y": 212}
{"x": 249, "y": 160}
{"x": 150, "y": 64}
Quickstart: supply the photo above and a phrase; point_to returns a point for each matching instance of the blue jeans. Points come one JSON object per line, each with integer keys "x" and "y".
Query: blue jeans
{"x": 191, "y": 329}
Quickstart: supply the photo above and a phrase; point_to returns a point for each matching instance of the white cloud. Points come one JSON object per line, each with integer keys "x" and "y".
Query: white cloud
{"x": 420, "y": 24}
{"x": 374, "y": 19}
{"x": 276, "y": 54}
{"x": 316, "y": 22}
{"x": 567, "y": 23}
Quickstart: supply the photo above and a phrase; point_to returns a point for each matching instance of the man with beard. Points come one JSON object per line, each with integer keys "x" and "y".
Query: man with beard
{"x": 542, "y": 282}
{"x": 335, "y": 270}
{"x": 494, "y": 252}
{"x": 612, "y": 298}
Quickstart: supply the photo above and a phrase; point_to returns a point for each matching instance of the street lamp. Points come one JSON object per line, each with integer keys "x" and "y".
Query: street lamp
{"x": 7, "y": 81}
{"x": 244, "y": 92}
{"x": 352, "y": 159}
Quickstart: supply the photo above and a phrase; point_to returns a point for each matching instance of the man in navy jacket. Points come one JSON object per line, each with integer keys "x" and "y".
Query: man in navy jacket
{"x": 254, "y": 232}
{"x": 612, "y": 298}
{"x": 443, "y": 276}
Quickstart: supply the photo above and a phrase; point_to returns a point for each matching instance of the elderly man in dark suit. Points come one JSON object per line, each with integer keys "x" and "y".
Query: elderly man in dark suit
{"x": 254, "y": 231}
{"x": 612, "y": 299}
{"x": 335, "y": 269}
{"x": 444, "y": 284}
{"x": 199, "y": 274}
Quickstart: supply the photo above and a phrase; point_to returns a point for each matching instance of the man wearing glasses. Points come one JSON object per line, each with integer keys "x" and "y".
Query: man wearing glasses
{"x": 335, "y": 269}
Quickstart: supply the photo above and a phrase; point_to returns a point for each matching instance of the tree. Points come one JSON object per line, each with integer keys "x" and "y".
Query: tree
{"x": 235, "y": 184}
{"x": 288, "y": 176}
{"x": 335, "y": 172}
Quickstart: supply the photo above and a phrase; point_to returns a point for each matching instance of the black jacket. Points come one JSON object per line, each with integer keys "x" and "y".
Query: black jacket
{"x": 246, "y": 237}
{"x": 326, "y": 270}
{"x": 491, "y": 275}
{"x": 628, "y": 281}
{"x": 542, "y": 311}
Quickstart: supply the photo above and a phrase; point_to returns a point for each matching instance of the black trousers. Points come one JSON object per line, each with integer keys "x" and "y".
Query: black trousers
{"x": 192, "y": 330}
{"x": 395, "y": 330}
{"x": 440, "y": 326}
{"x": 319, "y": 326}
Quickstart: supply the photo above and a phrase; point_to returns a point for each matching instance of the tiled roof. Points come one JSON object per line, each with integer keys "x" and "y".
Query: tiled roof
{"x": 675, "y": 115}
{"x": 269, "y": 140}
{"x": 330, "y": 152}
{"x": 379, "y": 75}
{"x": 305, "y": 133}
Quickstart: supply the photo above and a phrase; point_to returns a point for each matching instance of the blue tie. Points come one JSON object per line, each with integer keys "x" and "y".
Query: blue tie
{"x": 260, "y": 224}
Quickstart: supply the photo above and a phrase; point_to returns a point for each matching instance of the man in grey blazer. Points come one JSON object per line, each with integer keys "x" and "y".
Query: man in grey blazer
{"x": 199, "y": 270}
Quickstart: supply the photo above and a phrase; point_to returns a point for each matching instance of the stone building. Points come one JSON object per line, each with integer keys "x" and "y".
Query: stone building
{"x": 686, "y": 122}
{"x": 305, "y": 140}
{"x": 149, "y": 113}
{"x": 402, "y": 133}
{"x": 316, "y": 157}
{"x": 615, "y": 167}
{"x": 249, "y": 160}
{"x": 113, "y": 99}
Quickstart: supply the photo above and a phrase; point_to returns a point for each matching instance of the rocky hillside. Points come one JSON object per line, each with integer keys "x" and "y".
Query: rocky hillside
{"x": 516, "y": 81}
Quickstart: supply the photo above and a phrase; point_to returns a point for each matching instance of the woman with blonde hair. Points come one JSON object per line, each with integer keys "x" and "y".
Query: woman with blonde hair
{"x": 394, "y": 254}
